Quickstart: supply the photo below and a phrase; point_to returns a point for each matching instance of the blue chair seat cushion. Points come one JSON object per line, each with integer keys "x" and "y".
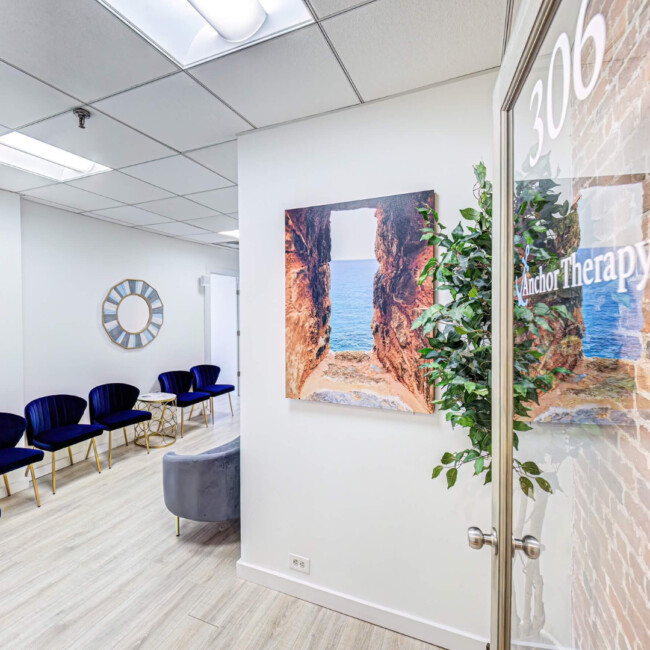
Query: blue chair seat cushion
{"x": 17, "y": 457}
{"x": 70, "y": 434}
{"x": 189, "y": 399}
{"x": 119, "y": 419}
{"x": 218, "y": 389}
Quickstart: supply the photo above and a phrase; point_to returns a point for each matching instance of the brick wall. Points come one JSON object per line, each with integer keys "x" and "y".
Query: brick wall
{"x": 611, "y": 520}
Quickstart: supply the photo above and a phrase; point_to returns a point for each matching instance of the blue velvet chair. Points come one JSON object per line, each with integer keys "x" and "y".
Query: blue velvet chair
{"x": 111, "y": 405}
{"x": 203, "y": 487}
{"x": 12, "y": 428}
{"x": 205, "y": 379}
{"x": 179, "y": 383}
{"x": 53, "y": 424}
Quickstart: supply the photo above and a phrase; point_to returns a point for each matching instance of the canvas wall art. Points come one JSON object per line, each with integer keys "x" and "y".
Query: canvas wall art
{"x": 351, "y": 295}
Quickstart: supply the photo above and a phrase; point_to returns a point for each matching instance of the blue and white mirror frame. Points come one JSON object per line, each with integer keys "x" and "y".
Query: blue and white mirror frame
{"x": 110, "y": 316}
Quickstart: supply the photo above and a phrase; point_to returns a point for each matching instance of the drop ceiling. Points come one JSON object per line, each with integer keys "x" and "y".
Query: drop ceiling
{"x": 169, "y": 134}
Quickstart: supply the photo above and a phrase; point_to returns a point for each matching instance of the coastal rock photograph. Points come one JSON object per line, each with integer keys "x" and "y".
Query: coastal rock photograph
{"x": 352, "y": 294}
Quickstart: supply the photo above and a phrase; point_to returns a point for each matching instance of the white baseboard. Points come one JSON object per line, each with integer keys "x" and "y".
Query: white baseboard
{"x": 418, "y": 628}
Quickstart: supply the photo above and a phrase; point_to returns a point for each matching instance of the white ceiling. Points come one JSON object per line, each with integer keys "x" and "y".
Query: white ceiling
{"x": 170, "y": 134}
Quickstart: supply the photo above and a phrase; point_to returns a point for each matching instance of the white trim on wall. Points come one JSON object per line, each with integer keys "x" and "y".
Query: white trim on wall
{"x": 418, "y": 628}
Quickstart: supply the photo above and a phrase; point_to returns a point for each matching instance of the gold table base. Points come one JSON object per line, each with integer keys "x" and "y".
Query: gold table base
{"x": 161, "y": 430}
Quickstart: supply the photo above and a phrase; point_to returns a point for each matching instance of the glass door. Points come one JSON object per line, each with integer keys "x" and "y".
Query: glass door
{"x": 571, "y": 549}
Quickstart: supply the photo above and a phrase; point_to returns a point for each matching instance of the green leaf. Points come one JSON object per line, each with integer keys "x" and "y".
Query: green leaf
{"x": 479, "y": 463}
{"x": 471, "y": 214}
{"x": 531, "y": 468}
{"x": 544, "y": 484}
{"x": 436, "y": 471}
{"x": 452, "y": 475}
{"x": 447, "y": 458}
{"x": 526, "y": 486}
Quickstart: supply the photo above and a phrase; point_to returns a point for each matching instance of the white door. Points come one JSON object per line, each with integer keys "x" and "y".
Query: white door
{"x": 224, "y": 319}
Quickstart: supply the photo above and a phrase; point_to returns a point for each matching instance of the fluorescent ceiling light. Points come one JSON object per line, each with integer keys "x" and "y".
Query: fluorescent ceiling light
{"x": 21, "y": 151}
{"x": 234, "y": 20}
{"x": 205, "y": 29}
{"x": 230, "y": 233}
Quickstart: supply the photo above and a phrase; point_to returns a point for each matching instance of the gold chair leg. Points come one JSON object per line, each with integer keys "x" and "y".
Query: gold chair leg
{"x": 90, "y": 444}
{"x": 110, "y": 449}
{"x": 212, "y": 408}
{"x": 205, "y": 414}
{"x": 70, "y": 454}
{"x": 230, "y": 400}
{"x": 6, "y": 478}
{"x": 182, "y": 421}
{"x": 35, "y": 484}
{"x": 191, "y": 411}
{"x": 53, "y": 473}
{"x": 178, "y": 526}
{"x": 94, "y": 444}
{"x": 126, "y": 439}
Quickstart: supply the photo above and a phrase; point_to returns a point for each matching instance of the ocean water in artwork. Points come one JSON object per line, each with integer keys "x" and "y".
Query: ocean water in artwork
{"x": 351, "y": 296}
{"x": 613, "y": 321}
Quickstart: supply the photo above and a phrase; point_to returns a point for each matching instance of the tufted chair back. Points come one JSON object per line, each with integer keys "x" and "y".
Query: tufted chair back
{"x": 111, "y": 398}
{"x": 53, "y": 411}
{"x": 205, "y": 375}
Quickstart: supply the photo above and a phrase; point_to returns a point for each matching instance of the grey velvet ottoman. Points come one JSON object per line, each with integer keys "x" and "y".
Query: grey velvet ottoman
{"x": 203, "y": 487}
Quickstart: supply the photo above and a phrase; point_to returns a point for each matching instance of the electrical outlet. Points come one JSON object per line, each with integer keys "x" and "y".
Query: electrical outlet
{"x": 298, "y": 563}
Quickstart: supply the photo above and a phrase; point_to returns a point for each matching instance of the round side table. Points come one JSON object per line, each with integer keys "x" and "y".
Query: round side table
{"x": 163, "y": 424}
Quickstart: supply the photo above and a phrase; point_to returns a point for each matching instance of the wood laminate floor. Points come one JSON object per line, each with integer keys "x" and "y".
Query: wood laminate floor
{"x": 99, "y": 566}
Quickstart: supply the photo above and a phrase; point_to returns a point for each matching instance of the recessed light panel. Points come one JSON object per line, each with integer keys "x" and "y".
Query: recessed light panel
{"x": 21, "y": 151}
{"x": 181, "y": 31}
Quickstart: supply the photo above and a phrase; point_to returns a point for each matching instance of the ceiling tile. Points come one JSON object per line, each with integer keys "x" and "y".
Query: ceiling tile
{"x": 328, "y": 7}
{"x": 177, "y": 228}
{"x": 177, "y": 174}
{"x": 72, "y": 197}
{"x": 103, "y": 218}
{"x": 25, "y": 100}
{"x": 131, "y": 215}
{"x": 78, "y": 46}
{"x": 209, "y": 238}
{"x": 17, "y": 180}
{"x": 103, "y": 140}
{"x": 381, "y": 45}
{"x": 217, "y": 223}
{"x": 120, "y": 187}
{"x": 222, "y": 158}
{"x": 177, "y": 111}
{"x": 177, "y": 208}
{"x": 291, "y": 76}
{"x": 221, "y": 200}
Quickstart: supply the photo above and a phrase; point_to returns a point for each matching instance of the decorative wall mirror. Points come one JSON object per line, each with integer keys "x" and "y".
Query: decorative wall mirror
{"x": 132, "y": 314}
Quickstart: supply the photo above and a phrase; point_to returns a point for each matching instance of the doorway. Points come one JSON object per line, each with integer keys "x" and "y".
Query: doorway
{"x": 571, "y": 227}
{"x": 223, "y": 310}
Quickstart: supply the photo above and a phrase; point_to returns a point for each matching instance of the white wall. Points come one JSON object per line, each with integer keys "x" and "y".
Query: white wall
{"x": 69, "y": 263}
{"x": 11, "y": 311}
{"x": 350, "y": 488}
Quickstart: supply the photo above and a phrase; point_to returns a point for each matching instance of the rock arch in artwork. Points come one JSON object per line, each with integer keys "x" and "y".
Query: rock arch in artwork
{"x": 397, "y": 297}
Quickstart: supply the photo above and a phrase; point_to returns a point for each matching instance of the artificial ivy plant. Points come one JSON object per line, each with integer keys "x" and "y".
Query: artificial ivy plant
{"x": 458, "y": 356}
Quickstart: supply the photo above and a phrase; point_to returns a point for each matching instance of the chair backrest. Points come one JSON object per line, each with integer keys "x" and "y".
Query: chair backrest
{"x": 110, "y": 398}
{"x": 176, "y": 381}
{"x": 12, "y": 428}
{"x": 204, "y": 375}
{"x": 53, "y": 411}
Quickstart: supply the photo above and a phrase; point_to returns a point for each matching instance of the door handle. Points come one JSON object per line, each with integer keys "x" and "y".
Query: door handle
{"x": 528, "y": 544}
{"x": 478, "y": 539}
